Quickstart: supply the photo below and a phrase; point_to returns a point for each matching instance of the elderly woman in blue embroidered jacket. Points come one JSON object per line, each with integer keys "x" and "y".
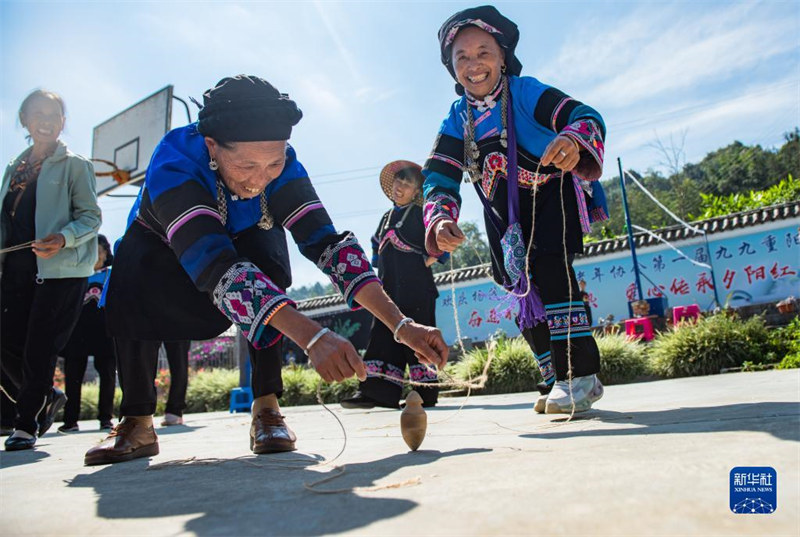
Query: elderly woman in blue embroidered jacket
{"x": 534, "y": 156}
{"x": 207, "y": 247}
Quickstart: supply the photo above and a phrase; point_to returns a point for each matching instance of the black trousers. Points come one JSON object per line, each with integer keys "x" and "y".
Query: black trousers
{"x": 178, "y": 359}
{"x": 35, "y": 325}
{"x": 74, "y": 370}
{"x": 384, "y": 355}
{"x": 89, "y": 339}
{"x": 138, "y": 362}
{"x": 567, "y": 323}
{"x": 8, "y": 409}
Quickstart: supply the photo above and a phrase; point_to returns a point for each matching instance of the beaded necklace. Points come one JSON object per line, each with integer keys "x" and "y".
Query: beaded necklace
{"x": 472, "y": 173}
{"x": 266, "y": 222}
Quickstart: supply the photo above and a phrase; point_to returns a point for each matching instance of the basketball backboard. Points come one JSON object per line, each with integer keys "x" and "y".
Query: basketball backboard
{"x": 129, "y": 138}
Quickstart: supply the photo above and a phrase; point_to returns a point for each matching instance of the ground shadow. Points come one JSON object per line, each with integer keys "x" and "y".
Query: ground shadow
{"x": 781, "y": 420}
{"x": 172, "y": 429}
{"x": 9, "y": 459}
{"x": 237, "y": 498}
{"x": 82, "y": 432}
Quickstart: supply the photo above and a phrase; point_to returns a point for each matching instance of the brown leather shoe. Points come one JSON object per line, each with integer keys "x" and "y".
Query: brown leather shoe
{"x": 270, "y": 434}
{"x": 132, "y": 438}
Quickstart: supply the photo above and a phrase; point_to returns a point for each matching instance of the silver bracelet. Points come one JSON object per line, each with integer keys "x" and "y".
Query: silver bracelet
{"x": 316, "y": 338}
{"x": 404, "y": 321}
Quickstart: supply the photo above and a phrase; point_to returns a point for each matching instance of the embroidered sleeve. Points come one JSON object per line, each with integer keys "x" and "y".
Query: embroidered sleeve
{"x": 564, "y": 115}
{"x": 590, "y": 139}
{"x": 554, "y": 110}
{"x": 439, "y": 206}
{"x": 346, "y": 264}
{"x": 443, "y": 171}
{"x": 249, "y": 299}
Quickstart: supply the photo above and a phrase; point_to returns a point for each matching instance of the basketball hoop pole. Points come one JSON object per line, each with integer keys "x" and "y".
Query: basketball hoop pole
{"x": 186, "y": 106}
{"x": 630, "y": 230}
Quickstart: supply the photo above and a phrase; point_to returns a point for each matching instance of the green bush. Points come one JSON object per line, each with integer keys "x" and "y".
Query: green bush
{"x": 711, "y": 344}
{"x": 210, "y": 390}
{"x": 788, "y": 338}
{"x": 621, "y": 359}
{"x": 703, "y": 348}
{"x": 90, "y": 393}
{"x": 790, "y": 361}
{"x": 513, "y": 368}
{"x": 300, "y": 387}
{"x": 785, "y": 191}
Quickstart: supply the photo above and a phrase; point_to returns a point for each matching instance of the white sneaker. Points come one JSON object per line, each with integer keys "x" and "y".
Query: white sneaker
{"x": 585, "y": 391}
{"x": 540, "y": 404}
{"x": 171, "y": 419}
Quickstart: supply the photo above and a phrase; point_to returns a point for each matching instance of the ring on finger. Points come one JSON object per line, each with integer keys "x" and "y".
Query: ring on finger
{"x": 562, "y": 153}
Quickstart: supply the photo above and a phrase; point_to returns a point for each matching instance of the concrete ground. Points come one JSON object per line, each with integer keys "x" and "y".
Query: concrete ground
{"x": 651, "y": 459}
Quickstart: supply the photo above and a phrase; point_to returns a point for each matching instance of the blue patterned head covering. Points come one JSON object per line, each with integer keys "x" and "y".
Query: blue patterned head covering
{"x": 488, "y": 19}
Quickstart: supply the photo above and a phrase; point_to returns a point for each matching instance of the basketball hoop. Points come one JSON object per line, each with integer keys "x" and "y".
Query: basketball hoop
{"x": 120, "y": 176}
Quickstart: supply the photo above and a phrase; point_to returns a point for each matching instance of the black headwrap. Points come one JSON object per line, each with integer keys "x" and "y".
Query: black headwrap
{"x": 487, "y": 18}
{"x": 247, "y": 109}
{"x": 102, "y": 242}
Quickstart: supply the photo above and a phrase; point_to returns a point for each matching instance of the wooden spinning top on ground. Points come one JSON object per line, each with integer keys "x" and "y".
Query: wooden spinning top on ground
{"x": 413, "y": 421}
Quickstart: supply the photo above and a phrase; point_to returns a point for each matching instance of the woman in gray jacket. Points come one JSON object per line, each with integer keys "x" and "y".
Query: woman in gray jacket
{"x": 50, "y": 219}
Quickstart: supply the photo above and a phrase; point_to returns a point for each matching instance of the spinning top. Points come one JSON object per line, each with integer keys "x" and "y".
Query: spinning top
{"x": 413, "y": 421}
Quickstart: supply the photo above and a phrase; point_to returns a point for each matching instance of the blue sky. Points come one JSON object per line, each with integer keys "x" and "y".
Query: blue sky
{"x": 368, "y": 78}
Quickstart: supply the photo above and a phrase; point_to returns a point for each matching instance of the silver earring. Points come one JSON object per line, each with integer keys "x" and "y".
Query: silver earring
{"x": 212, "y": 164}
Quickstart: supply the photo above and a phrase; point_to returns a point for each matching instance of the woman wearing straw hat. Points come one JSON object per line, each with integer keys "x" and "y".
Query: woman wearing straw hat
{"x": 206, "y": 247}
{"x": 534, "y": 156}
{"x": 398, "y": 248}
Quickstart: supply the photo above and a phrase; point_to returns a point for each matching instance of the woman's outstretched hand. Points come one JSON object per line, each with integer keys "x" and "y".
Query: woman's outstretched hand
{"x": 335, "y": 358}
{"x": 448, "y": 235}
{"x": 563, "y": 153}
{"x": 427, "y": 343}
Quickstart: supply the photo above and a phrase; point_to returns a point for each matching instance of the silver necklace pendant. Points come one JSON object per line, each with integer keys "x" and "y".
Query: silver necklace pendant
{"x": 266, "y": 222}
{"x": 472, "y": 174}
{"x": 474, "y": 150}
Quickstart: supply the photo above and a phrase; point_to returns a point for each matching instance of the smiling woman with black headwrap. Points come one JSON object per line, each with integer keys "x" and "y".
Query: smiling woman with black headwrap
{"x": 206, "y": 247}
{"x": 532, "y": 153}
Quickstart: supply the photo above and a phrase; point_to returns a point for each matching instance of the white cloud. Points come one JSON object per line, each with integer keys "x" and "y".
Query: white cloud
{"x": 658, "y": 50}
{"x": 761, "y": 112}
{"x": 316, "y": 92}
{"x": 341, "y": 47}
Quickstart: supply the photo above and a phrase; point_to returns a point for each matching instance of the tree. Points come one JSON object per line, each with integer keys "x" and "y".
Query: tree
{"x": 789, "y": 156}
{"x": 738, "y": 168}
{"x": 311, "y": 291}
{"x": 734, "y": 169}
